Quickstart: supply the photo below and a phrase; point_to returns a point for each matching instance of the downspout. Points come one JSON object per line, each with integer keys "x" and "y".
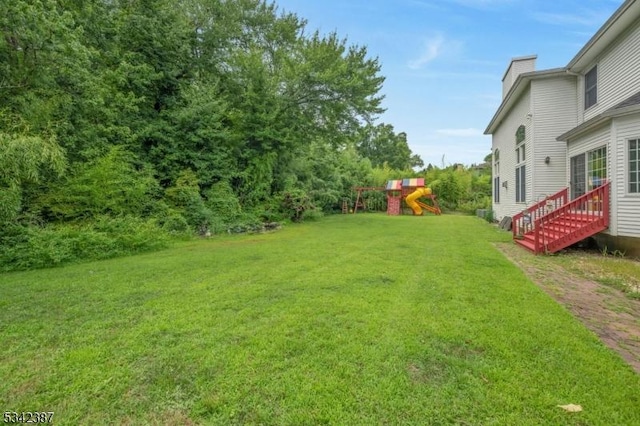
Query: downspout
{"x": 566, "y": 143}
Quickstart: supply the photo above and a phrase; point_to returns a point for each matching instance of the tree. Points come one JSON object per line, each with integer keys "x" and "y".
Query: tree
{"x": 381, "y": 145}
{"x": 108, "y": 185}
{"x": 25, "y": 159}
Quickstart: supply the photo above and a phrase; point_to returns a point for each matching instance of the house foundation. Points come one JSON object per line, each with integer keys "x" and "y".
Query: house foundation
{"x": 628, "y": 246}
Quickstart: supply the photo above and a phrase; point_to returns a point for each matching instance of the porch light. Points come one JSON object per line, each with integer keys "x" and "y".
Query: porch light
{"x": 547, "y": 160}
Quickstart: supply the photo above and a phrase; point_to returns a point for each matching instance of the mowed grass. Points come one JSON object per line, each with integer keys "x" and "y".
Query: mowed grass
{"x": 356, "y": 320}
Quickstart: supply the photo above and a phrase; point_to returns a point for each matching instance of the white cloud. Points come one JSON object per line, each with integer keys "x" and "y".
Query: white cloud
{"x": 433, "y": 48}
{"x": 460, "y": 133}
{"x": 437, "y": 47}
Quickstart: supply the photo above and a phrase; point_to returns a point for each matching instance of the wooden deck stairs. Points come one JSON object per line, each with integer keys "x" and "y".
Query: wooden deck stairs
{"x": 557, "y": 222}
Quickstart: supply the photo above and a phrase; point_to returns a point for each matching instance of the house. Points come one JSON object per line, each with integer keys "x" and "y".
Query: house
{"x": 565, "y": 139}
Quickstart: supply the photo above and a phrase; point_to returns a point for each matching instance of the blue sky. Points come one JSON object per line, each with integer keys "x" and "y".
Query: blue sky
{"x": 444, "y": 59}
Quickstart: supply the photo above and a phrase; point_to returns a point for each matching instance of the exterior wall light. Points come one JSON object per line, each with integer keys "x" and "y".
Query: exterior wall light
{"x": 547, "y": 160}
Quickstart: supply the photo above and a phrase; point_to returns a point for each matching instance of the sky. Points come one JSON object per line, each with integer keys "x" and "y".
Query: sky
{"x": 444, "y": 60}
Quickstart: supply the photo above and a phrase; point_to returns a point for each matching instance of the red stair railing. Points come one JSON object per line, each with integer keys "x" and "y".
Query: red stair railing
{"x": 576, "y": 220}
{"x": 524, "y": 221}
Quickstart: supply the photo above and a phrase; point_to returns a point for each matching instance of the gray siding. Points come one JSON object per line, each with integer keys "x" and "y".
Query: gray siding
{"x": 554, "y": 103}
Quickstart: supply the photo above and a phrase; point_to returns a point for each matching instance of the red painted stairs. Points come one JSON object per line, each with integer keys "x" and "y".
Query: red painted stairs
{"x": 556, "y": 223}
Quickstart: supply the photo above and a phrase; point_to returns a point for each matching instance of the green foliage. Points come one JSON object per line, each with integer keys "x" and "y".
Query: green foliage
{"x": 204, "y": 114}
{"x": 105, "y": 237}
{"x": 461, "y": 188}
{"x": 222, "y": 201}
{"x": 175, "y": 224}
{"x": 108, "y": 185}
{"x": 10, "y": 204}
{"x": 295, "y": 203}
{"x": 184, "y": 196}
{"x": 24, "y": 159}
{"x": 384, "y": 147}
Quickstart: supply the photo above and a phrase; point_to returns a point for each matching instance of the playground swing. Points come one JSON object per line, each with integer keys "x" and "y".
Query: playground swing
{"x": 410, "y": 190}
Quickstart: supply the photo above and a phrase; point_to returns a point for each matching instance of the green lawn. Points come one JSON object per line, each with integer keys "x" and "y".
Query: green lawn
{"x": 360, "y": 319}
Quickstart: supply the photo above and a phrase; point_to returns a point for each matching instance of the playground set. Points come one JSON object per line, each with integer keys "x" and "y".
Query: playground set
{"x": 408, "y": 190}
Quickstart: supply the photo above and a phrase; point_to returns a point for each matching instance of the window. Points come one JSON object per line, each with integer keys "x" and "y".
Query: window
{"x": 496, "y": 173}
{"x": 591, "y": 88}
{"x": 578, "y": 176}
{"x": 597, "y": 167}
{"x": 521, "y": 134}
{"x": 521, "y": 184}
{"x": 588, "y": 171}
{"x": 634, "y": 166}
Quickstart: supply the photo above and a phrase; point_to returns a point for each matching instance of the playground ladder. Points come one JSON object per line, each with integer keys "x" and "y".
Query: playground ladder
{"x": 345, "y": 206}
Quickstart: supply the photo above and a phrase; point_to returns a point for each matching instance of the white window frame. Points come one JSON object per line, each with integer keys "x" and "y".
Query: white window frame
{"x": 596, "y": 176}
{"x": 521, "y": 173}
{"x": 496, "y": 176}
{"x": 629, "y": 162}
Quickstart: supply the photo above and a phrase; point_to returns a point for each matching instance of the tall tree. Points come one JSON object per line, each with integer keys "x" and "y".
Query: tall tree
{"x": 382, "y": 145}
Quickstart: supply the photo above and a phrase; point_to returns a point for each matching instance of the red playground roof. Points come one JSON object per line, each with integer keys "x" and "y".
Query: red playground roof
{"x": 394, "y": 185}
{"x": 397, "y": 185}
{"x": 413, "y": 182}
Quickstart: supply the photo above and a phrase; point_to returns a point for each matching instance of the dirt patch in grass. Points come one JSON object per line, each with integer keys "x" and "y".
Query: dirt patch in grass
{"x": 605, "y": 310}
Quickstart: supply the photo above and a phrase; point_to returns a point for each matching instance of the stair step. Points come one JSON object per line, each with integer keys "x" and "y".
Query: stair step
{"x": 526, "y": 244}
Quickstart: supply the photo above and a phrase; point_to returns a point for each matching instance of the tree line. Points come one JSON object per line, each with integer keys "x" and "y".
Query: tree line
{"x": 125, "y": 121}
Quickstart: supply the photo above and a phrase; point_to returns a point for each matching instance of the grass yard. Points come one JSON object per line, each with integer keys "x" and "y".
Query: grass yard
{"x": 356, "y": 320}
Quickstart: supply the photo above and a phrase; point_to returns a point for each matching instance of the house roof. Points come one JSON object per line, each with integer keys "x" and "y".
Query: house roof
{"x": 631, "y": 101}
{"x": 628, "y": 106}
{"x": 514, "y": 93}
{"x": 626, "y": 15}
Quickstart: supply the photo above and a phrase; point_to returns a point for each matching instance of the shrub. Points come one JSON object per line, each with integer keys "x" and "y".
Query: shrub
{"x": 479, "y": 201}
{"x": 107, "y": 185}
{"x": 32, "y": 247}
{"x": 185, "y": 198}
{"x": 223, "y": 202}
{"x": 294, "y": 203}
{"x": 174, "y": 223}
{"x": 312, "y": 214}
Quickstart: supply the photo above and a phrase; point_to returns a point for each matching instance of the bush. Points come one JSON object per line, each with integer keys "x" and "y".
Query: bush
{"x": 294, "y": 203}
{"x": 24, "y": 247}
{"x": 185, "y": 198}
{"x": 312, "y": 214}
{"x": 482, "y": 202}
{"x": 223, "y": 202}
{"x": 107, "y": 185}
{"x": 175, "y": 224}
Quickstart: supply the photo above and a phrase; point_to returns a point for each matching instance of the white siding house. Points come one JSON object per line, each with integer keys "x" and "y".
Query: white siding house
{"x": 539, "y": 105}
{"x": 583, "y": 125}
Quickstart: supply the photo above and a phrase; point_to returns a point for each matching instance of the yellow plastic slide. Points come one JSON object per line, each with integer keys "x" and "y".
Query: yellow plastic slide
{"x": 412, "y": 199}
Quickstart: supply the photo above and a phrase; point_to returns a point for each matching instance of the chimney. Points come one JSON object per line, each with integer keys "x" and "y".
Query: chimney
{"x": 516, "y": 67}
